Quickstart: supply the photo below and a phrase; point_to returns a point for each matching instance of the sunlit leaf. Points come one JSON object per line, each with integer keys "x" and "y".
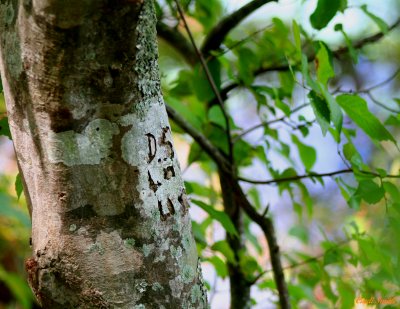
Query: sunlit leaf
{"x": 300, "y": 232}
{"x": 220, "y": 216}
{"x": 324, "y": 65}
{"x": 308, "y": 155}
{"x": 369, "y": 191}
{"x": 223, "y": 247}
{"x": 356, "y": 108}
{"x": 383, "y": 26}
{"x": 352, "y": 51}
{"x": 219, "y": 265}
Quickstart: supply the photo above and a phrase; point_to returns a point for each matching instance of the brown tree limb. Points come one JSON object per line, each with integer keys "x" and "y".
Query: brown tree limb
{"x": 218, "y": 34}
{"x": 205, "y": 144}
{"x": 176, "y": 39}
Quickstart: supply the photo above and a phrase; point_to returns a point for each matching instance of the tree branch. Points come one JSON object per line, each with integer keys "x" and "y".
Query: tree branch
{"x": 177, "y": 40}
{"x": 205, "y": 144}
{"x": 218, "y": 34}
{"x": 304, "y": 262}
{"x": 210, "y": 80}
{"x": 312, "y": 175}
{"x": 285, "y": 67}
{"x": 268, "y": 123}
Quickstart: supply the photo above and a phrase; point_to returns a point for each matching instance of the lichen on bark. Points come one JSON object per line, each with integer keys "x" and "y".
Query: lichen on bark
{"x": 95, "y": 148}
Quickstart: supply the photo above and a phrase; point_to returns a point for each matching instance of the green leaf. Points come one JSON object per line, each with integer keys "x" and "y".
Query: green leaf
{"x": 200, "y": 83}
{"x": 223, "y": 247}
{"x": 369, "y": 191}
{"x": 219, "y": 265}
{"x": 324, "y": 12}
{"x": 243, "y": 153}
{"x": 347, "y": 295}
{"x": 300, "y": 232}
{"x": 324, "y": 64}
{"x": 249, "y": 264}
{"x": 383, "y": 26}
{"x": 247, "y": 63}
{"x": 297, "y": 38}
{"x": 199, "y": 235}
{"x": 308, "y": 155}
{"x": 356, "y": 108}
{"x": 349, "y": 43}
{"x": 215, "y": 115}
{"x": 18, "y": 287}
{"x": 321, "y": 110}
{"x": 331, "y": 256}
{"x": 18, "y": 186}
{"x": 208, "y": 12}
{"x": 392, "y": 190}
{"x": 8, "y": 209}
{"x": 4, "y": 128}
{"x": 335, "y": 112}
{"x": 220, "y": 216}
{"x": 351, "y": 154}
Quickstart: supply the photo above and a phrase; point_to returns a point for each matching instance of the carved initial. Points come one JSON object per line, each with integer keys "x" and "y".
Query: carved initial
{"x": 152, "y": 147}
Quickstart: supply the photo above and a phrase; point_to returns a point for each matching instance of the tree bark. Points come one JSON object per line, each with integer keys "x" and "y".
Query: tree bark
{"x": 110, "y": 223}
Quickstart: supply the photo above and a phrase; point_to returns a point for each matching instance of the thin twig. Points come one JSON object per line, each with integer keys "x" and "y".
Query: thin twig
{"x": 374, "y": 100}
{"x": 312, "y": 175}
{"x": 382, "y": 83}
{"x": 268, "y": 123}
{"x": 304, "y": 262}
{"x": 210, "y": 80}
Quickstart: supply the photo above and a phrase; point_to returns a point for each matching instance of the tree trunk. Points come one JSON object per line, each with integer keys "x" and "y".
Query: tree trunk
{"x": 239, "y": 286}
{"x": 110, "y": 223}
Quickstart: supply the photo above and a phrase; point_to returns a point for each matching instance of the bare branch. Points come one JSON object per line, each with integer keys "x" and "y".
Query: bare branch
{"x": 313, "y": 175}
{"x": 268, "y": 123}
{"x": 304, "y": 262}
{"x": 217, "y": 35}
{"x": 210, "y": 80}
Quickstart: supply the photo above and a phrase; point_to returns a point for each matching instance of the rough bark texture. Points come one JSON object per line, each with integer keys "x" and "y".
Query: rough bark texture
{"x": 110, "y": 224}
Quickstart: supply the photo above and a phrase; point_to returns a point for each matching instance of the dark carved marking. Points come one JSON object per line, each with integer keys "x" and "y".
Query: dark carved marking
{"x": 167, "y": 143}
{"x": 152, "y": 147}
{"x": 169, "y": 172}
{"x": 182, "y": 199}
{"x": 171, "y": 209}
{"x": 153, "y": 186}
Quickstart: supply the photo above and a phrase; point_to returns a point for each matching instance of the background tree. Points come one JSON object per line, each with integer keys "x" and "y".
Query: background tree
{"x": 259, "y": 99}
